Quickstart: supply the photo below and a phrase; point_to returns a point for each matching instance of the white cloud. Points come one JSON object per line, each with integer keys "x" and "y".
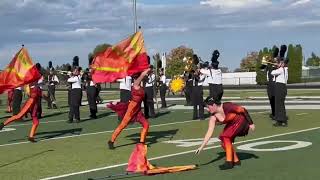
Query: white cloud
{"x": 68, "y": 33}
{"x": 300, "y": 2}
{"x": 166, "y": 29}
{"x": 233, "y": 5}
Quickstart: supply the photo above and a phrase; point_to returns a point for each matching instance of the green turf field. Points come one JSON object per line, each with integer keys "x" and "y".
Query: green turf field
{"x": 78, "y": 151}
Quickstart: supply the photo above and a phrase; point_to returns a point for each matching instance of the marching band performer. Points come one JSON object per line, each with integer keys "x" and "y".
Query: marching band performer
{"x": 150, "y": 80}
{"x": 131, "y": 111}
{"x": 17, "y": 99}
{"x": 214, "y": 76}
{"x": 197, "y": 91}
{"x": 75, "y": 93}
{"x": 32, "y": 106}
{"x": 52, "y": 82}
{"x": 91, "y": 94}
{"x": 237, "y": 123}
{"x": 163, "y": 88}
{"x": 271, "y": 84}
{"x": 281, "y": 78}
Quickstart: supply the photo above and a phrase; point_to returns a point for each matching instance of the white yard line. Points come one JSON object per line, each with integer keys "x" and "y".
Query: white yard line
{"x": 101, "y": 132}
{"x": 176, "y": 154}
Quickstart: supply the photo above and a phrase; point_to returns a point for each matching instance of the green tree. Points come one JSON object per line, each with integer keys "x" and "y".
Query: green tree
{"x": 175, "y": 64}
{"x": 249, "y": 63}
{"x": 314, "y": 60}
{"x": 295, "y": 57}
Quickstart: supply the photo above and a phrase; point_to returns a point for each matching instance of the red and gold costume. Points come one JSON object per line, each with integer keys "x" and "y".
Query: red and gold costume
{"x": 237, "y": 121}
{"x": 31, "y": 105}
{"x": 10, "y": 100}
{"x": 131, "y": 112}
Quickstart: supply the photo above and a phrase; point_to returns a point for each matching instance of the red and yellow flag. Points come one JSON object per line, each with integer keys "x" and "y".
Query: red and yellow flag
{"x": 126, "y": 58}
{"x": 19, "y": 72}
{"x": 138, "y": 163}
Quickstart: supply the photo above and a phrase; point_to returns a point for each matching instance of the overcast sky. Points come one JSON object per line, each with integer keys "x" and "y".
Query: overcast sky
{"x": 57, "y": 30}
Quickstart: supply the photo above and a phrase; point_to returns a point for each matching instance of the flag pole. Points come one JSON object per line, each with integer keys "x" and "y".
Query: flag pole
{"x": 135, "y": 23}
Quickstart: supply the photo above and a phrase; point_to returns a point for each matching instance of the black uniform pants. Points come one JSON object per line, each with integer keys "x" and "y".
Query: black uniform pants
{"x": 75, "y": 98}
{"x": 280, "y": 97}
{"x": 17, "y": 99}
{"x": 271, "y": 92}
{"x": 148, "y": 102}
{"x": 92, "y": 100}
{"x": 163, "y": 89}
{"x": 216, "y": 91}
{"x": 187, "y": 93}
{"x": 197, "y": 101}
{"x": 51, "y": 95}
{"x": 125, "y": 95}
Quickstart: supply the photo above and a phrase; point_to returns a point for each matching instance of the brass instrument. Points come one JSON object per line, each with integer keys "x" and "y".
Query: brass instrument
{"x": 266, "y": 60}
{"x": 64, "y": 72}
{"x": 189, "y": 65}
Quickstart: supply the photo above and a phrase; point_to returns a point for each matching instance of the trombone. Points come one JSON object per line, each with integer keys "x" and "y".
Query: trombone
{"x": 266, "y": 60}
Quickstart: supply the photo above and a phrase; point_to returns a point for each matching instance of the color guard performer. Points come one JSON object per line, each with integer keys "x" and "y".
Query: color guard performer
{"x": 131, "y": 111}
{"x": 237, "y": 123}
{"x": 30, "y": 106}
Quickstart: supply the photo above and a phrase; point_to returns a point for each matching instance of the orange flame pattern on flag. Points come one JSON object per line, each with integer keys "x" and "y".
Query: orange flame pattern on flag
{"x": 126, "y": 58}
{"x": 19, "y": 72}
{"x": 138, "y": 163}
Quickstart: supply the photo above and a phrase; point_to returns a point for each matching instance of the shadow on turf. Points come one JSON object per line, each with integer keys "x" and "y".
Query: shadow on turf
{"x": 152, "y": 137}
{"x": 53, "y": 134}
{"x": 25, "y": 158}
{"x": 242, "y": 156}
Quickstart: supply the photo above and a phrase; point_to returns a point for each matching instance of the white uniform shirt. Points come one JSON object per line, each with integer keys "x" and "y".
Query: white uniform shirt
{"x": 19, "y": 88}
{"x": 202, "y": 77}
{"x": 54, "y": 79}
{"x": 273, "y": 79}
{"x": 214, "y": 75}
{"x": 76, "y": 82}
{"x": 40, "y": 82}
{"x": 163, "y": 79}
{"x": 150, "y": 81}
{"x": 125, "y": 83}
{"x": 281, "y": 75}
{"x": 92, "y": 83}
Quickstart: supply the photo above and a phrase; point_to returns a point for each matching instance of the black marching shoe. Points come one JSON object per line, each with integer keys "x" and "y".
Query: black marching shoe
{"x": 111, "y": 145}
{"x": 226, "y": 165}
{"x": 1, "y": 126}
{"x": 70, "y": 121}
{"x": 31, "y": 139}
{"x": 280, "y": 124}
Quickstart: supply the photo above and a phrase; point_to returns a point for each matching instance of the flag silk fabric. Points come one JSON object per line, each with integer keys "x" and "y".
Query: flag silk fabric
{"x": 21, "y": 71}
{"x": 124, "y": 59}
{"x": 138, "y": 163}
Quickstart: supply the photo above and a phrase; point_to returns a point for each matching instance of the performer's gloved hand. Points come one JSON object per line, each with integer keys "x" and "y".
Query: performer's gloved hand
{"x": 252, "y": 127}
